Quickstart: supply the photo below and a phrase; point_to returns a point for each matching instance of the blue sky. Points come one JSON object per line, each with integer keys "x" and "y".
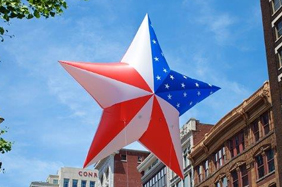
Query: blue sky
{"x": 51, "y": 118}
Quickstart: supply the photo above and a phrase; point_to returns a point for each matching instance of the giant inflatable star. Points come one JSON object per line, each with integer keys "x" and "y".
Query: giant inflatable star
{"x": 142, "y": 100}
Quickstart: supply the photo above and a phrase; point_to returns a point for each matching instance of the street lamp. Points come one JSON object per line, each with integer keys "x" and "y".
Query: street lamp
{"x": 1, "y": 119}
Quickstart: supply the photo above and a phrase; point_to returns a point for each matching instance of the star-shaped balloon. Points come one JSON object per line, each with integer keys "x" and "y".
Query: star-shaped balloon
{"x": 142, "y": 100}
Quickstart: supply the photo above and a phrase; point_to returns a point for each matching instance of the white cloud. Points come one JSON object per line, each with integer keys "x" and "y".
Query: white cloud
{"x": 26, "y": 170}
{"x": 218, "y": 23}
{"x": 89, "y": 42}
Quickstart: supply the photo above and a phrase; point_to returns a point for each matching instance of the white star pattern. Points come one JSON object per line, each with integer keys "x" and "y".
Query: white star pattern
{"x": 169, "y": 96}
{"x": 184, "y": 77}
{"x": 154, "y": 41}
{"x": 211, "y": 92}
{"x": 210, "y": 85}
{"x": 158, "y": 78}
{"x": 166, "y": 86}
{"x": 175, "y": 89}
{"x": 156, "y": 59}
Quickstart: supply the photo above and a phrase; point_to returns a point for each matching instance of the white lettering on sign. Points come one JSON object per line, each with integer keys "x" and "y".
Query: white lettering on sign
{"x": 87, "y": 174}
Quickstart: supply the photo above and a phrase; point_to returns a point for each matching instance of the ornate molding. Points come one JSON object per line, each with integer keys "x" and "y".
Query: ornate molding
{"x": 191, "y": 158}
{"x": 205, "y": 147}
{"x": 237, "y": 165}
{"x": 244, "y": 115}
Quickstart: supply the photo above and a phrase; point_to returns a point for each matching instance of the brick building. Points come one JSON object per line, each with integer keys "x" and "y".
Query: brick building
{"x": 119, "y": 169}
{"x": 272, "y": 26}
{"x": 156, "y": 174}
{"x": 240, "y": 150}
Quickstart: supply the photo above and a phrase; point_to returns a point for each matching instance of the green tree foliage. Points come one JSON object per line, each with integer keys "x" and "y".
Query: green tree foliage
{"x": 20, "y": 9}
{"x": 5, "y": 146}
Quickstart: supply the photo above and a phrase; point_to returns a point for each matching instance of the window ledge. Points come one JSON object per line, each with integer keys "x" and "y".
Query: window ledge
{"x": 265, "y": 176}
{"x": 278, "y": 38}
{"x": 276, "y": 10}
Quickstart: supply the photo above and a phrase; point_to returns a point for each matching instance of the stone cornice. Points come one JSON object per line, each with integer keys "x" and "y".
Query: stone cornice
{"x": 148, "y": 161}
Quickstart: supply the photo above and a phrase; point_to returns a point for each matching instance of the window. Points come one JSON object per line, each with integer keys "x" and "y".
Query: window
{"x": 222, "y": 182}
{"x": 242, "y": 141}
{"x": 185, "y": 181}
{"x": 217, "y": 184}
{"x": 255, "y": 129}
{"x": 55, "y": 181}
{"x": 206, "y": 168}
{"x": 139, "y": 159}
{"x": 66, "y": 182}
{"x": 236, "y": 144}
{"x": 123, "y": 157}
{"x": 276, "y": 4}
{"x": 179, "y": 184}
{"x": 107, "y": 173}
{"x": 92, "y": 183}
{"x": 191, "y": 179}
{"x": 270, "y": 160}
{"x": 200, "y": 172}
{"x": 185, "y": 158}
{"x": 159, "y": 180}
{"x": 260, "y": 167}
{"x": 279, "y": 57}
{"x": 231, "y": 149}
{"x": 102, "y": 179}
{"x": 219, "y": 158}
{"x": 265, "y": 163}
{"x": 234, "y": 175}
{"x": 83, "y": 183}
{"x": 244, "y": 174}
{"x": 74, "y": 182}
{"x": 155, "y": 162}
{"x": 278, "y": 28}
{"x": 265, "y": 123}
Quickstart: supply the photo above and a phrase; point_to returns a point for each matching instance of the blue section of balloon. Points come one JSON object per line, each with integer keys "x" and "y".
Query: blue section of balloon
{"x": 160, "y": 66}
{"x": 179, "y": 90}
{"x": 183, "y": 92}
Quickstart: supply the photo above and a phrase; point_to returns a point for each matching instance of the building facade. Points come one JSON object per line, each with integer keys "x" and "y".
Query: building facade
{"x": 240, "y": 150}
{"x": 70, "y": 177}
{"x": 119, "y": 169}
{"x": 156, "y": 174}
{"x": 272, "y": 26}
